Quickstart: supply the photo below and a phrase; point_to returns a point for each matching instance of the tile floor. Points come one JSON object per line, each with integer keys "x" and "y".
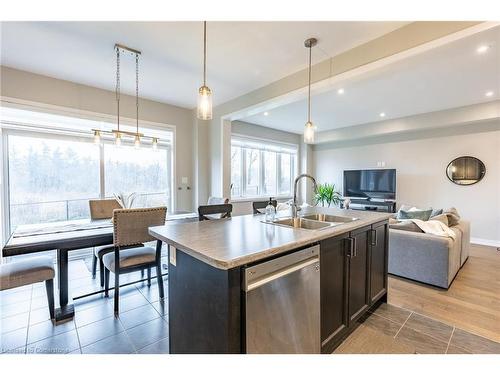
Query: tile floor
{"x": 142, "y": 326}
{"x": 390, "y": 329}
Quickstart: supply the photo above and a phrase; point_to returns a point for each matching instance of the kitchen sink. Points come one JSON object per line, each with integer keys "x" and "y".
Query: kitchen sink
{"x": 303, "y": 223}
{"x": 325, "y": 218}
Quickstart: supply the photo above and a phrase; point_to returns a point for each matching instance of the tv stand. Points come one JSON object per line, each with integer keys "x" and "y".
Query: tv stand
{"x": 369, "y": 205}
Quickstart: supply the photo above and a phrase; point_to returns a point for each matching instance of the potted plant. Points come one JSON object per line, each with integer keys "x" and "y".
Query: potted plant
{"x": 326, "y": 194}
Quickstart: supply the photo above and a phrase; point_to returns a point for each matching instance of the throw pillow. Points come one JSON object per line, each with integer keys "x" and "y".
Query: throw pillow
{"x": 436, "y": 212}
{"x": 453, "y": 216}
{"x": 442, "y": 218}
{"x": 407, "y": 225}
{"x": 420, "y": 214}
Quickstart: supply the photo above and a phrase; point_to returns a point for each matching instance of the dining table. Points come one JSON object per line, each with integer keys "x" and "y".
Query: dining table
{"x": 65, "y": 237}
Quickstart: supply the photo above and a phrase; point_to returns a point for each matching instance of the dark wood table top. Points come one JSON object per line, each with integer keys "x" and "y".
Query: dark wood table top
{"x": 31, "y": 238}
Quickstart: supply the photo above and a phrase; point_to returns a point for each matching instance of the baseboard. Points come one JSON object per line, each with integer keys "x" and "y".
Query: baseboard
{"x": 482, "y": 241}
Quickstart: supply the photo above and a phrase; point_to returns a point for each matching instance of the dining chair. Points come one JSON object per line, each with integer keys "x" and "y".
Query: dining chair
{"x": 209, "y": 212}
{"x": 217, "y": 200}
{"x": 101, "y": 209}
{"x": 130, "y": 231}
{"x": 30, "y": 271}
{"x": 259, "y": 205}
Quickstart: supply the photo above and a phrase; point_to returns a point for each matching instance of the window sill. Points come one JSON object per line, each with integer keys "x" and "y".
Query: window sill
{"x": 257, "y": 199}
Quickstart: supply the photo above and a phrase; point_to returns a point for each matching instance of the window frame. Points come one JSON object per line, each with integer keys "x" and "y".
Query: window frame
{"x": 294, "y": 152}
{"x": 10, "y": 128}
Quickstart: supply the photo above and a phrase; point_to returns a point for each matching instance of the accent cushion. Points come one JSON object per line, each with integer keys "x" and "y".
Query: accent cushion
{"x": 25, "y": 272}
{"x": 436, "y": 212}
{"x": 407, "y": 225}
{"x": 130, "y": 257}
{"x": 453, "y": 216}
{"x": 414, "y": 214}
{"x": 442, "y": 218}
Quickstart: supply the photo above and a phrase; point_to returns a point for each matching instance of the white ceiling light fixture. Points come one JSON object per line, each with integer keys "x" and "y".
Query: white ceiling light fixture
{"x": 489, "y": 94}
{"x": 309, "y": 127}
{"x": 340, "y": 91}
{"x": 204, "y": 93}
{"x": 266, "y": 113}
{"x": 382, "y": 114}
{"x": 482, "y": 48}
{"x": 118, "y": 134}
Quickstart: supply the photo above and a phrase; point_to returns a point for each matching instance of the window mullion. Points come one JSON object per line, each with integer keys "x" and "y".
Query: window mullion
{"x": 244, "y": 172}
{"x": 102, "y": 184}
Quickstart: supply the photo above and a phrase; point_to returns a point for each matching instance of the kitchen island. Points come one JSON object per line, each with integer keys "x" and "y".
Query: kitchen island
{"x": 211, "y": 262}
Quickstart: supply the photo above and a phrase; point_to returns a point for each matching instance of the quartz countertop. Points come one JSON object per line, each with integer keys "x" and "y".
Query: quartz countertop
{"x": 240, "y": 240}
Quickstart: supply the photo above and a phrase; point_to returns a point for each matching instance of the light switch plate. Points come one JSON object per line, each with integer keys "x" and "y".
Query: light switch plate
{"x": 184, "y": 180}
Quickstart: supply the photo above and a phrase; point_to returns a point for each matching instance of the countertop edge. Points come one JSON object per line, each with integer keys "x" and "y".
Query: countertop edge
{"x": 316, "y": 236}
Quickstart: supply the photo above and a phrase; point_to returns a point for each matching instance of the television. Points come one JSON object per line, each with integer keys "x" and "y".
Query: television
{"x": 370, "y": 184}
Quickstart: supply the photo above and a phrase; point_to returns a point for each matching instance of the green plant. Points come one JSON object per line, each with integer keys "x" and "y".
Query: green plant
{"x": 326, "y": 193}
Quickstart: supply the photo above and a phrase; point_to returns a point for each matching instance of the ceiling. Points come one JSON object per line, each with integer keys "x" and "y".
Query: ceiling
{"x": 241, "y": 56}
{"x": 446, "y": 77}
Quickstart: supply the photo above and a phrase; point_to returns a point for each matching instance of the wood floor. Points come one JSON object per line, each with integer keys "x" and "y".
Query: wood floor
{"x": 471, "y": 303}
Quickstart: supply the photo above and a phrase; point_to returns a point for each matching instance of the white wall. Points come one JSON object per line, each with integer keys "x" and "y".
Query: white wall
{"x": 23, "y": 85}
{"x": 421, "y": 178}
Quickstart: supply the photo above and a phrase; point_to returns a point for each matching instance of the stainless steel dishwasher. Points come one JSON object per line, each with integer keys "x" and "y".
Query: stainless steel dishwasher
{"x": 283, "y": 304}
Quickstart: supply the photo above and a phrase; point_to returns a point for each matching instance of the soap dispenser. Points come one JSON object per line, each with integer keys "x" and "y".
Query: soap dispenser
{"x": 270, "y": 210}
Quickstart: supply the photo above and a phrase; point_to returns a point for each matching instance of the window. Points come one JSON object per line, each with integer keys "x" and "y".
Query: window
{"x": 50, "y": 179}
{"x": 52, "y": 175}
{"x": 261, "y": 169}
{"x": 143, "y": 171}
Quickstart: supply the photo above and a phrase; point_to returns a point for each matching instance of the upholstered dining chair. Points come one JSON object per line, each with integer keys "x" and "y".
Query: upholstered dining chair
{"x": 30, "y": 271}
{"x": 259, "y": 205}
{"x": 209, "y": 212}
{"x": 217, "y": 200}
{"x": 130, "y": 231}
{"x": 101, "y": 209}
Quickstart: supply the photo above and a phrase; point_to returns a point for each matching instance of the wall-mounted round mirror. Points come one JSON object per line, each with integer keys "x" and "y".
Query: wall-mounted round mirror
{"x": 465, "y": 170}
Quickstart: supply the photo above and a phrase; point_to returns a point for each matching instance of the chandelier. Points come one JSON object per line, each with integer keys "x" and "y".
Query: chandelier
{"x": 117, "y": 133}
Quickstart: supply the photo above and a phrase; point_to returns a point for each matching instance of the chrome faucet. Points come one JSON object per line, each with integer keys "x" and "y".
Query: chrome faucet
{"x": 295, "y": 206}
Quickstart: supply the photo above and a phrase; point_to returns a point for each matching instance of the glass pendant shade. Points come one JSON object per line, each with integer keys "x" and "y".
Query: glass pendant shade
{"x": 204, "y": 103}
{"x": 118, "y": 139}
{"x": 97, "y": 137}
{"x": 137, "y": 142}
{"x": 309, "y": 133}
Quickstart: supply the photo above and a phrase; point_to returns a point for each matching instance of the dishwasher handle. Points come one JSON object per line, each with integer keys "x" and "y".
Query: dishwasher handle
{"x": 281, "y": 273}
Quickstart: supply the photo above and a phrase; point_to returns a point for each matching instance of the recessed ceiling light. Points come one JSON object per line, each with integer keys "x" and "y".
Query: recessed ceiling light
{"x": 340, "y": 91}
{"x": 266, "y": 113}
{"x": 482, "y": 48}
{"x": 382, "y": 114}
{"x": 489, "y": 94}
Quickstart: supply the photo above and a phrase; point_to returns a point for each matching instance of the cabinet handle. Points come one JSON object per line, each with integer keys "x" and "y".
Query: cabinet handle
{"x": 349, "y": 250}
{"x": 374, "y": 237}
{"x": 354, "y": 247}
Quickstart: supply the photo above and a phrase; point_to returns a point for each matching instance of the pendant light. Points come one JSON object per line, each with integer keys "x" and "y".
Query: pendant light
{"x": 204, "y": 111}
{"x": 309, "y": 127}
{"x": 118, "y": 134}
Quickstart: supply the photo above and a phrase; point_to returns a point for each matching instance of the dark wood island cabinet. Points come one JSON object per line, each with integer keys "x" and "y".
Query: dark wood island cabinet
{"x": 206, "y": 289}
{"x": 353, "y": 278}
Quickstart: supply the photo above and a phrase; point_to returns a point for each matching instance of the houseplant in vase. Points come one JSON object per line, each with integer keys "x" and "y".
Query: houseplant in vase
{"x": 326, "y": 195}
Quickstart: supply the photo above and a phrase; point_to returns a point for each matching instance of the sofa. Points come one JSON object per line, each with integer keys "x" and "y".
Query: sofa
{"x": 429, "y": 258}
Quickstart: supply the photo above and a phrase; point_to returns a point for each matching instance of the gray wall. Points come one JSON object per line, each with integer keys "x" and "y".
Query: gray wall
{"x": 421, "y": 178}
{"x": 41, "y": 89}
